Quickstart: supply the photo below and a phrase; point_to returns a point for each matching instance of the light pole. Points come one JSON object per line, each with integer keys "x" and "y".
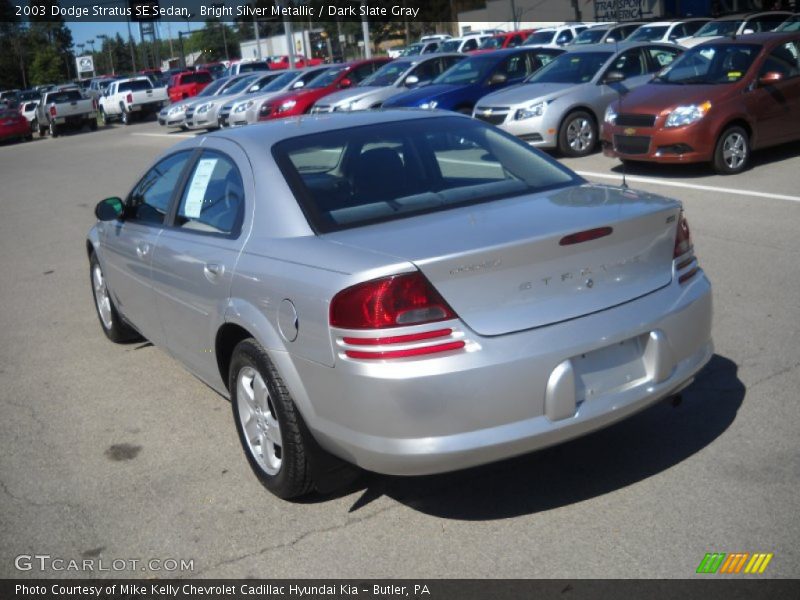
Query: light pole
{"x": 105, "y": 39}
{"x": 224, "y": 36}
{"x": 365, "y": 30}
{"x": 258, "y": 35}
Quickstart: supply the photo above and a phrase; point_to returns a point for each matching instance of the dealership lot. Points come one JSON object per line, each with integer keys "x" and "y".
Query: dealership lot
{"x": 115, "y": 452}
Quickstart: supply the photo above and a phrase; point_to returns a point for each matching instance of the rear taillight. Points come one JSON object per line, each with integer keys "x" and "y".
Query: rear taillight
{"x": 686, "y": 264}
{"x": 94, "y": 103}
{"x": 129, "y": 98}
{"x": 396, "y": 301}
{"x": 390, "y": 302}
{"x": 53, "y": 111}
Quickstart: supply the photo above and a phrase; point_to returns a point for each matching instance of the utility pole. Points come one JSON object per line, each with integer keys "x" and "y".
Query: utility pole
{"x": 131, "y": 46}
{"x": 365, "y": 31}
{"x": 258, "y": 35}
{"x": 287, "y": 30}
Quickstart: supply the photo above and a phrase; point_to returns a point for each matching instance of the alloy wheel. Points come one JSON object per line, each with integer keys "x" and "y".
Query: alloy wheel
{"x": 259, "y": 420}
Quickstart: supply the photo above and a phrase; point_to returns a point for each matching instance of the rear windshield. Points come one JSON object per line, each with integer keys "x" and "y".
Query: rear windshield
{"x": 253, "y": 66}
{"x": 137, "y": 85}
{"x": 352, "y": 177}
{"x": 66, "y": 96}
{"x": 591, "y": 36}
{"x": 648, "y": 33}
{"x": 202, "y": 77}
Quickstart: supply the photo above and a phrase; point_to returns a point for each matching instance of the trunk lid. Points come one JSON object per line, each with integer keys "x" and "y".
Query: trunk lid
{"x": 501, "y": 266}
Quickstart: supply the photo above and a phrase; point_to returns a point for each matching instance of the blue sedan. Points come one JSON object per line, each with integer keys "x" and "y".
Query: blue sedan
{"x": 461, "y": 86}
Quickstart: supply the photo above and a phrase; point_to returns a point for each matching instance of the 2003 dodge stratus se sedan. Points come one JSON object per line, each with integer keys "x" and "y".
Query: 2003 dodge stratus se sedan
{"x": 409, "y": 292}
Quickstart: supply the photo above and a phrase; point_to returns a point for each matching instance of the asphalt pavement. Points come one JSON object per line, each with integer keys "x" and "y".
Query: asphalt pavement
{"x": 116, "y": 453}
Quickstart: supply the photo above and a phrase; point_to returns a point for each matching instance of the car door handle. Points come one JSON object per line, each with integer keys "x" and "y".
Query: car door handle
{"x": 212, "y": 271}
{"x": 142, "y": 250}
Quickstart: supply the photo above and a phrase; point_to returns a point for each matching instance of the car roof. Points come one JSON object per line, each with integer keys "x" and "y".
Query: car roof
{"x": 756, "y": 38}
{"x": 613, "y": 47}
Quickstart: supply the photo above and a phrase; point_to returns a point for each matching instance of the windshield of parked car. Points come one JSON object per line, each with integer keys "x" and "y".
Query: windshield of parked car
{"x": 540, "y": 37}
{"x": 572, "y": 67}
{"x": 593, "y": 35}
{"x": 492, "y": 43}
{"x": 249, "y": 67}
{"x": 469, "y": 71}
{"x": 392, "y": 170}
{"x": 387, "y": 74}
{"x": 214, "y": 86}
{"x": 326, "y": 78}
{"x": 710, "y": 64}
{"x": 450, "y": 46}
{"x": 411, "y": 50}
{"x": 648, "y": 33}
{"x": 242, "y": 84}
{"x": 791, "y": 24}
{"x": 280, "y": 82}
{"x": 135, "y": 85}
{"x": 717, "y": 28}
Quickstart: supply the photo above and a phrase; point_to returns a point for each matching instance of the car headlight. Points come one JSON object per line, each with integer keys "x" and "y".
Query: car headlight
{"x": 611, "y": 115}
{"x": 244, "y": 106}
{"x": 288, "y": 105}
{"x": 177, "y": 109}
{"x": 686, "y": 115}
{"x": 204, "y": 107}
{"x": 534, "y": 110}
{"x": 429, "y": 105}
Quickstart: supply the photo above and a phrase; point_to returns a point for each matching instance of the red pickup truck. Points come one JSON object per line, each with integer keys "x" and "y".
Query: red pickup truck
{"x": 300, "y": 62}
{"x": 187, "y": 84}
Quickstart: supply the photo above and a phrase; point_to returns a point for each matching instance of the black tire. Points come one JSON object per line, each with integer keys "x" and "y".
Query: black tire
{"x": 93, "y": 125}
{"x": 53, "y": 129}
{"x": 29, "y": 137}
{"x": 732, "y": 153}
{"x": 34, "y": 125}
{"x": 103, "y": 117}
{"x": 577, "y": 135}
{"x": 115, "y": 328}
{"x": 125, "y": 117}
{"x": 42, "y": 131}
{"x": 293, "y": 476}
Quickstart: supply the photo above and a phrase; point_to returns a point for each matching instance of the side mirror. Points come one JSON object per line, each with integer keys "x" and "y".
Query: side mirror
{"x": 345, "y": 83}
{"x": 298, "y": 84}
{"x": 412, "y": 80}
{"x": 770, "y": 78}
{"x": 109, "y": 209}
{"x": 748, "y": 31}
{"x": 614, "y": 77}
{"x": 498, "y": 78}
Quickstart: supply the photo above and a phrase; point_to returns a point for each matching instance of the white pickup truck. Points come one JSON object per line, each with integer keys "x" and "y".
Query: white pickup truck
{"x": 63, "y": 108}
{"x": 125, "y": 98}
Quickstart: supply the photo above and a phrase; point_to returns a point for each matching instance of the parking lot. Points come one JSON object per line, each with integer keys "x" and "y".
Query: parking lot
{"x": 116, "y": 452}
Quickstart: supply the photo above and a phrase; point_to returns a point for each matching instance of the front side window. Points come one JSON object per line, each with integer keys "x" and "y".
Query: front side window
{"x": 213, "y": 199}
{"x": 149, "y": 200}
{"x": 468, "y": 71}
{"x": 354, "y": 177}
{"x": 784, "y": 60}
{"x": 710, "y": 64}
{"x": 630, "y": 63}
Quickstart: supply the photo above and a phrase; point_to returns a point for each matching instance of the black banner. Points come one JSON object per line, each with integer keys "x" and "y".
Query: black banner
{"x": 463, "y": 589}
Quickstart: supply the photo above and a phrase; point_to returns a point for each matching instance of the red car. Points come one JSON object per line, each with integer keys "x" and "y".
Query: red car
{"x": 717, "y": 103}
{"x": 300, "y": 62}
{"x": 512, "y": 39}
{"x": 187, "y": 84}
{"x": 337, "y": 77}
{"x": 13, "y": 125}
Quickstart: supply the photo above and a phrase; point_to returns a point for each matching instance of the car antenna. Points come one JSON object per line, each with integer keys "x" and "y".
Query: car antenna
{"x": 619, "y": 103}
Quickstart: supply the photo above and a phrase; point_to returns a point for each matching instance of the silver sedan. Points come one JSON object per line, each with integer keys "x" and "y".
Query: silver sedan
{"x": 409, "y": 292}
{"x": 562, "y": 105}
{"x": 203, "y": 113}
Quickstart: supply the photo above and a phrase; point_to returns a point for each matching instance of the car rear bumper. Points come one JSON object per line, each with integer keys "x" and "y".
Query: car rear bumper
{"x": 511, "y": 394}
{"x": 689, "y": 144}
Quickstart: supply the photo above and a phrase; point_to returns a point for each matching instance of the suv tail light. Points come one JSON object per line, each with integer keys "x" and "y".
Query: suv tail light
{"x": 129, "y": 98}
{"x": 53, "y": 111}
{"x": 389, "y": 302}
{"x": 684, "y": 251}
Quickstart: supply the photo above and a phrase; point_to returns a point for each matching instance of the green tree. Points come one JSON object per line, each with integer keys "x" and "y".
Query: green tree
{"x": 217, "y": 41}
{"x": 46, "y": 66}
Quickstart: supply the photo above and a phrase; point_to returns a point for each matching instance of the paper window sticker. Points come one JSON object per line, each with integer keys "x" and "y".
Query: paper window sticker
{"x": 198, "y": 187}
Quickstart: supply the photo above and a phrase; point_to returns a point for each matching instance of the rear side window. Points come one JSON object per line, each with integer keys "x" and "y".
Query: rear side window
{"x": 784, "y": 60}
{"x": 213, "y": 200}
{"x": 68, "y": 96}
{"x": 353, "y": 177}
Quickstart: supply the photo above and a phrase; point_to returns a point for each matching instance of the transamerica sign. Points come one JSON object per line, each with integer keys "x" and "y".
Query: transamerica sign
{"x": 624, "y": 10}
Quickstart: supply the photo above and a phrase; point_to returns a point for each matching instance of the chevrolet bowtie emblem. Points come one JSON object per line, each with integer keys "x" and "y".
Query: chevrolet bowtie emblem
{"x": 630, "y": 131}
